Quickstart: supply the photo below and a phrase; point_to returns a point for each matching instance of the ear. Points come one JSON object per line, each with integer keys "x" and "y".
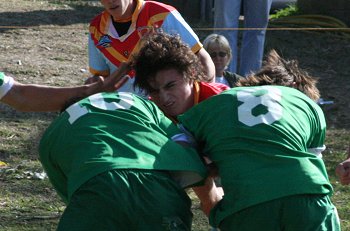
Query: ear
{"x": 294, "y": 85}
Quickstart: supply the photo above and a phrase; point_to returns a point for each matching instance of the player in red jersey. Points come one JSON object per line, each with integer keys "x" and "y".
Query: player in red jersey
{"x": 115, "y": 35}
{"x": 171, "y": 74}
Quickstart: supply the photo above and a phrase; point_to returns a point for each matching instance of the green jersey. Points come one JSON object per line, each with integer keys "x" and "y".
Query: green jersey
{"x": 261, "y": 139}
{"x": 6, "y": 83}
{"x": 113, "y": 131}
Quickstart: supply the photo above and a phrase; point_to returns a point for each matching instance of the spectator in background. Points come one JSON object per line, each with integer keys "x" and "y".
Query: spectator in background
{"x": 256, "y": 15}
{"x": 220, "y": 52}
{"x": 115, "y": 35}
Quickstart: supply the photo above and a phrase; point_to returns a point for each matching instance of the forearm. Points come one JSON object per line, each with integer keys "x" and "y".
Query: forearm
{"x": 208, "y": 65}
{"x": 208, "y": 194}
{"x": 31, "y": 97}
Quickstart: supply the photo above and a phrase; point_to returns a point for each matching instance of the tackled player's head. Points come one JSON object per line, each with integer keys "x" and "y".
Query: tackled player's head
{"x": 278, "y": 71}
{"x": 161, "y": 51}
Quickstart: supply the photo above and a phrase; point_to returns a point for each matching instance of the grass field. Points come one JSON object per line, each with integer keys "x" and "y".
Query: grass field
{"x": 45, "y": 42}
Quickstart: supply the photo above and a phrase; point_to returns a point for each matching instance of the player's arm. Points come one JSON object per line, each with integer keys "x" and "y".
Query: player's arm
{"x": 208, "y": 194}
{"x": 115, "y": 77}
{"x": 40, "y": 98}
{"x": 208, "y": 65}
{"x": 32, "y": 97}
{"x": 343, "y": 170}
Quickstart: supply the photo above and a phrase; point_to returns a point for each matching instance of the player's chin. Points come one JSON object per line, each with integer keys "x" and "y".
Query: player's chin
{"x": 171, "y": 112}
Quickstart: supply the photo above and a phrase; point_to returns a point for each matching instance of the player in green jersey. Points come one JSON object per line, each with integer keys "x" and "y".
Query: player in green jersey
{"x": 266, "y": 142}
{"x": 110, "y": 159}
{"x": 31, "y": 97}
{"x": 169, "y": 72}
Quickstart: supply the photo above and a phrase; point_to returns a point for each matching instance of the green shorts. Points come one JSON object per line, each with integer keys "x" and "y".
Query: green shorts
{"x": 300, "y": 212}
{"x": 128, "y": 200}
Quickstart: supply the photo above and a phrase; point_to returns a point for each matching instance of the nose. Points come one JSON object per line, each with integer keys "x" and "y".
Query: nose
{"x": 163, "y": 97}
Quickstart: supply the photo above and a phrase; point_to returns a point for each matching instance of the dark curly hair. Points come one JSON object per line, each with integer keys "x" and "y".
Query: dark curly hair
{"x": 278, "y": 71}
{"x": 161, "y": 51}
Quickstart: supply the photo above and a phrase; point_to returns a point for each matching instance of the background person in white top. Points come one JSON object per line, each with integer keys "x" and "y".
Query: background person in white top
{"x": 220, "y": 52}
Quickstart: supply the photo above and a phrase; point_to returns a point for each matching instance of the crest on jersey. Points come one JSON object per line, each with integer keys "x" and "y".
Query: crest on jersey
{"x": 104, "y": 41}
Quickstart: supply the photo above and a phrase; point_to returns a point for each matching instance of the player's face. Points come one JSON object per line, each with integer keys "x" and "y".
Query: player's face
{"x": 171, "y": 92}
{"x": 119, "y": 9}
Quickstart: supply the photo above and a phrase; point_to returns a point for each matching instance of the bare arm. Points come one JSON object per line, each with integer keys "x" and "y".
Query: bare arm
{"x": 209, "y": 195}
{"x": 208, "y": 65}
{"x": 40, "y": 98}
{"x": 31, "y": 97}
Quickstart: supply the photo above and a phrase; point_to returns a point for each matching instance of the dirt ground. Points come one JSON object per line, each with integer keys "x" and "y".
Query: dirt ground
{"x": 46, "y": 42}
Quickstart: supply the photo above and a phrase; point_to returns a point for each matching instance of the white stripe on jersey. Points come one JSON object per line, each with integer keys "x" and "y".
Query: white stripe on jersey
{"x": 6, "y": 85}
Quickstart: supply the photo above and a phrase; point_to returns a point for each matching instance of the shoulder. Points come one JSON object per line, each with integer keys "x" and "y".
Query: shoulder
{"x": 232, "y": 75}
{"x": 153, "y": 9}
{"x": 97, "y": 19}
{"x": 210, "y": 89}
{"x": 213, "y": 86}
{"x": 152, "y": 12}
{"x": 158, "y": 5}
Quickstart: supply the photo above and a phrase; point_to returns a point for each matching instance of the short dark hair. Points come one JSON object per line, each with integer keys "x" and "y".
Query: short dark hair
{"x": 161, "y": 51}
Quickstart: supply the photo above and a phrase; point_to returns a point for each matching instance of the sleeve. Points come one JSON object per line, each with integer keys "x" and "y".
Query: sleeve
{"x": 97, "y": 63}
{"x": 174, "y": 23}
{"x": 185, "y": 136}
{"x": 317, "y": 151}
{"x": 316, "y": 144}
{"x": 6, "y": 84}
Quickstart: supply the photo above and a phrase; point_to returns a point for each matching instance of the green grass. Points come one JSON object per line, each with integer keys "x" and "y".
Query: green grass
{"x": 290, "y": 10}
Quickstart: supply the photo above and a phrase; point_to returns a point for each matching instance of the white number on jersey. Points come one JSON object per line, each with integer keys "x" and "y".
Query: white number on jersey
{"x": 270, "y": 100}
{"x": 76, "y": 110}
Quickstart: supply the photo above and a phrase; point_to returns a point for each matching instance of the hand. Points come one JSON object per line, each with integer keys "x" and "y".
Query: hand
{"x": 117, "y": 79}
{"x": 93, "y": 79}
{"x": 343, "y": 170}
{"x": 111, "y": 83}
{"x": 208, "y": 194}
{"x": 215, "y": 196}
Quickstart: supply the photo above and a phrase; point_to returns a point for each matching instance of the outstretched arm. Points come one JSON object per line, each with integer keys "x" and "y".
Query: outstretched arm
{"x": 32, "y": 97}
{"x": 40, "y": 98}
